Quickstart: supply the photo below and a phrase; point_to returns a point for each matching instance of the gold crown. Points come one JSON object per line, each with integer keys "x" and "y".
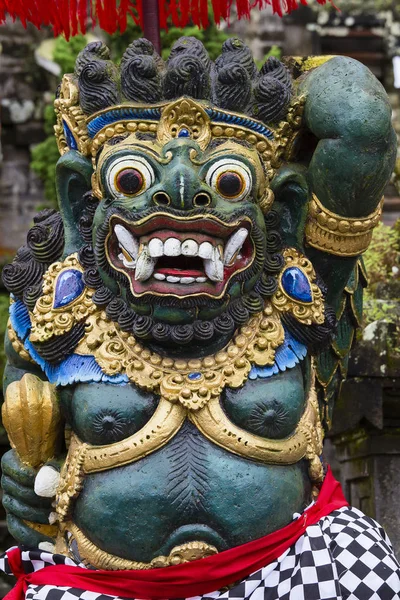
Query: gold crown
{"x": 184, "y": 118}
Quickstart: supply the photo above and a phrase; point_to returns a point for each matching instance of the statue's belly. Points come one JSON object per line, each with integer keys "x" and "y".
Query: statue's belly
{"x": 188, "y": 490}
{"x": 191, "y": 489}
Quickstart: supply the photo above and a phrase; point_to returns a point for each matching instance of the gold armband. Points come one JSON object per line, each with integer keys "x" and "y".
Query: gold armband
{"x": 335, "y": 234}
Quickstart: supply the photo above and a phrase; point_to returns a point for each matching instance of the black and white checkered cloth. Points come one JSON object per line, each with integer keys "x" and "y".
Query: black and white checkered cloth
{"x": 345, "y": 556}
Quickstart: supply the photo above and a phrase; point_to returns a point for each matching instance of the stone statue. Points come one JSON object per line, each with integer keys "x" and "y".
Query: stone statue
{"x": 179, "y": 330}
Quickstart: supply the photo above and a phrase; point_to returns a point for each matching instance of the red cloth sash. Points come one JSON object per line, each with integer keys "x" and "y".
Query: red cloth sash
{"x": 190, "y": 579}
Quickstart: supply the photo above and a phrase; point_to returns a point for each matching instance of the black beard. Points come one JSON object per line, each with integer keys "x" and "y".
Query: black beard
{"x": 204, "y": 332}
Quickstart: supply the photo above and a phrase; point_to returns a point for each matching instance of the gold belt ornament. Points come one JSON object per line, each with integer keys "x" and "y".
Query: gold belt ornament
{"x": 93, "y": 556}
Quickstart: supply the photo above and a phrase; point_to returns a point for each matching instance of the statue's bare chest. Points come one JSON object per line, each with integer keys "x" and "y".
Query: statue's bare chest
{"x": 101, "y": 414}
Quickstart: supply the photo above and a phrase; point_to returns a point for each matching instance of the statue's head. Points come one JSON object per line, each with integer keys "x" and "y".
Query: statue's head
{"x": 179, "y": 157}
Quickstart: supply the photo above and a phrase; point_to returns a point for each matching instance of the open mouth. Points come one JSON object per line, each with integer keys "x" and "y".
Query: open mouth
{"x": 180, "y": 256}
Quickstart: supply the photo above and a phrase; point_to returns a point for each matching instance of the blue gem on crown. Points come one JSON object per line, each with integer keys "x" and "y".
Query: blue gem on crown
{"x": 184, "y": 133}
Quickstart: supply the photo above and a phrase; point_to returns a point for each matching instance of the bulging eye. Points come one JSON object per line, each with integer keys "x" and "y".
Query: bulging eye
{"x": 230, "y": 178}
{"x": 129, "y": 176}
{"x": 129, "y": 181}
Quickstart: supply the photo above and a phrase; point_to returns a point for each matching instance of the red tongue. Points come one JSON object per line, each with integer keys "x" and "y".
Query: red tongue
{"x": 181, "y": 272}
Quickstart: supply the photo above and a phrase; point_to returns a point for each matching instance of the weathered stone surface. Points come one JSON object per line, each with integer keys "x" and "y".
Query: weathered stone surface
{"x": 366, "y": 428}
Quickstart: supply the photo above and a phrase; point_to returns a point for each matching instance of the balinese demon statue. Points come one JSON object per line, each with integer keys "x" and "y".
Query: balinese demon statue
{"x": 179, "y": 330}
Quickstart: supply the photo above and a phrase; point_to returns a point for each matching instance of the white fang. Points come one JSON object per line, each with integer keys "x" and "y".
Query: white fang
{"x": 144, "y": 265}
{"x": 234, "y": 244}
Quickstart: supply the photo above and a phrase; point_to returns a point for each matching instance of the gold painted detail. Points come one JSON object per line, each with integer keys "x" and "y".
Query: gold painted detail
{"x": 117, "y": 351}
{"x": 192, "y": 395}
{"x": 120, "y": 128}
{"x": 71, "y": 479}
{"x": 50, "y": 531}
{"x": 163, "y": 426}
{"x": 338, "y": 235}
{"x": 288, "y": 133}
{"x": 305, "y": 442}
{"x": 95, "y": 557}
{"x": 184, "y": 114}
{"x": 191, "y": 389}
{"x": 32, "y": 419}
{"x": 16, "y": 343}
{"x": 48, "y": 321}
{"x": 67, "y": 108}
{"x": 305, "y": 312}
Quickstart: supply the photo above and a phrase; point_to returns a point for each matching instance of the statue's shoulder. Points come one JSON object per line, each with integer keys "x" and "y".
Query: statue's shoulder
{"x": 62, "y": 330}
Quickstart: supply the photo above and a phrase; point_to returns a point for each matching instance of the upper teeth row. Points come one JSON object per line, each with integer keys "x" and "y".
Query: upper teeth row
{"x": 174, "y": 247}
{"x": 143, "y": 257}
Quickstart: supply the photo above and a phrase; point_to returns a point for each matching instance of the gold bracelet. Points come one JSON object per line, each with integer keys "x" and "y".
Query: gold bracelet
{"x": 335, "y": 234}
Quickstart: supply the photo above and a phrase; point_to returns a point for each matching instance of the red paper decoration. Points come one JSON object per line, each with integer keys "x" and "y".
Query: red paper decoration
{"x": 69, "y": 17}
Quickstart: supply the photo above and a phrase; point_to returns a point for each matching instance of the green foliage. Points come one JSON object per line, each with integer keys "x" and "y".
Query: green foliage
{"x": 383, "y": 254}
{"x": 65, "y": 52}
{"x": 382, "y": 261}
{"x": 45, "y": 156}
{"x": 274, "y": 51}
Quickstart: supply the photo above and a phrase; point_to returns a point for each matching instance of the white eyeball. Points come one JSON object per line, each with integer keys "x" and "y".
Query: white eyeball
{"x": 230, "y": 178}
{"x": 129, "y": 176}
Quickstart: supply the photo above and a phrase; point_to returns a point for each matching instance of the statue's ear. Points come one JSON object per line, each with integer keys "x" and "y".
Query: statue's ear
{"x": 73, "y": 180}
{"x": 291, "y": 192}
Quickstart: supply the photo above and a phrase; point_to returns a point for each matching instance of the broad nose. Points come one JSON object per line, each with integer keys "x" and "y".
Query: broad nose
{"x": 183, "y": 190}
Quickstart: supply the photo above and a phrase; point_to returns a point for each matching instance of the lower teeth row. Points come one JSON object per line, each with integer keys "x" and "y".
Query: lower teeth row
{"x": 174, "y": 279}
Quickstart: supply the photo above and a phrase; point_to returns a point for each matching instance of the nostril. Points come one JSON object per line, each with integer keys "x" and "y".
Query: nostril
{"x": 161, "y": 199}
{"x": 202, "y": 199}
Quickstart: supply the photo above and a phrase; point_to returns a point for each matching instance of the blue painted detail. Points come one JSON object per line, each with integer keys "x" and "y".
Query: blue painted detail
{"x": 69, "y": 137}
{"x": 296, "y": 284}
{"x": 220, "y": 117}
{"x": 194, "y": 376}
{"x": 287, "y": 356}
{"x": 184, "y": 133}
{"x": 20, "y": 319}
{"x": 263, "y": 372}
{"x": 153, "y": 114}
{"x": 69, "y": 286}
{"x": 80, "y": 369}
{"x": 120, "y": 114}
{"x": 74, "y": 369}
